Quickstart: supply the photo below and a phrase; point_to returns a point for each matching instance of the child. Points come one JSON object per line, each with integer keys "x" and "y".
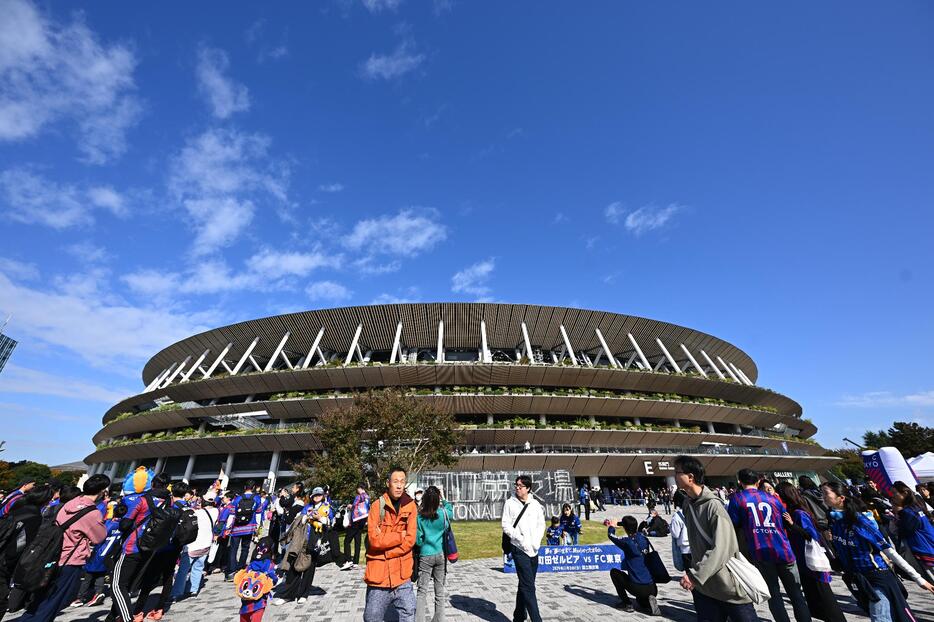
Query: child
{"x": 254, "y": 582}
{"x": 554, "y": 533}
{"x": 570, "y": 523}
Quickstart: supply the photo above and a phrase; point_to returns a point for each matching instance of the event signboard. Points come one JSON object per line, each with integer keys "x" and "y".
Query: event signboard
{"x": 581, "y": 558}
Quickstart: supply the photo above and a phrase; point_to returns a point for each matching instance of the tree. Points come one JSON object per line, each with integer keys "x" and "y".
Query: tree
{"x": 358, "y": 443}
{"x": 912, "y": 439}
{"x": 14, "y": 473}
{"x": 850, "y": 465}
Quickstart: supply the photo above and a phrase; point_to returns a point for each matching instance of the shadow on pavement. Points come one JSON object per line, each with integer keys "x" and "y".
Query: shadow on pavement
{"x": 601, "y": 598}
{"x": 479, "y": 607}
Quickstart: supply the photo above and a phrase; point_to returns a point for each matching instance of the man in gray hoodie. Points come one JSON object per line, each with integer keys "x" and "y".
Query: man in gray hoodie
{"x": 717, "y": 596}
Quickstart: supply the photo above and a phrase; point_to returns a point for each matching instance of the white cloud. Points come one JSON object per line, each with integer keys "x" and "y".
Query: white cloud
{"x": 54, "y": 72}
{"x": 401, "y": 61}
{"x": 97, "y": 328}
{"x": 473, "y": 279}
{"x": 613, "y": 212}
{"x": 218, "y": 177}
{"x": 880, "y": 399}
{"x": 411, "y": 294}
{"x": 88, "y": 252}
{"x": 272, "y": 264}
{"x": 224, "y": 95}
{"x": 34, "y": 199}
{"x": 266, "y": 270}
{"x": 329, "y": 291}
{"x": 406, "y": 234}
{"x": 331, "y": 187}
{"x": 16, "y": 379}
{"x": 646, "y": 218}
{"x": 649, "y": 218}
{"x": 108, "y": 198}
{"x": 19, "y": 269}
{"x": 377, "y": 6}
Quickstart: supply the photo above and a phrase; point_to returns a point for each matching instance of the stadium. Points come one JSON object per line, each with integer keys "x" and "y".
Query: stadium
{"x": 610, "y": 398}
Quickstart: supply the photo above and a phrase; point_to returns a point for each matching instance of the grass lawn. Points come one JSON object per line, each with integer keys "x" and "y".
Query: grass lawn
{"x": 478, "y": 539}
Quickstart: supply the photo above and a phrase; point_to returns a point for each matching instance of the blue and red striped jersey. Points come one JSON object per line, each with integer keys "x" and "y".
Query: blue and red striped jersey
{"x": 760, "y": 516}
{"x": 138, "y": 511}
{"x": 9, "y": 500}
{"x": 858, "y": 545}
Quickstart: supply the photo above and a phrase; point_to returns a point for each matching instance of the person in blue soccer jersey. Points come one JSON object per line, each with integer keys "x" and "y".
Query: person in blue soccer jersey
{"x": 859, "y": 545}
{"x": 554, "y": 533}
{"x": 801, "y": 529}
{"x": 759, "y": 515}
{"x": 914, "y": 527}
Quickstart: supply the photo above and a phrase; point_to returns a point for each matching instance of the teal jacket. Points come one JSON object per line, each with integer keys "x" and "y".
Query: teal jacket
{"x": 430, "y": 533}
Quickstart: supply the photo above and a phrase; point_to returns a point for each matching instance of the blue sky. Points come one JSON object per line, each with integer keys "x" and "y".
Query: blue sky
{"x": 761, "y": 173}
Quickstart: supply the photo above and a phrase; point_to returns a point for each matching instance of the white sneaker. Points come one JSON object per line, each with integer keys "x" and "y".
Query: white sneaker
{"x": 278, "y": 601}
{"x": 302, "y": 599}
{"x": 346, "y": 565}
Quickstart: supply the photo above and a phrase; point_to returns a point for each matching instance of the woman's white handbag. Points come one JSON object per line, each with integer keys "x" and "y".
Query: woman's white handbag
{"x": 746, "y": 575}
{"x": 815, "y": 558}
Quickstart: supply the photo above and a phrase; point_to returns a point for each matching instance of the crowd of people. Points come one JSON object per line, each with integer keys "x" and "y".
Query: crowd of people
{"x": 765, "y": 539}
{"x": 758, "y": 542}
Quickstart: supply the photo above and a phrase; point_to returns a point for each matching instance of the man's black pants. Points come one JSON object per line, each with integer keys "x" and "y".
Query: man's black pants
{"x": 526, "y": 600}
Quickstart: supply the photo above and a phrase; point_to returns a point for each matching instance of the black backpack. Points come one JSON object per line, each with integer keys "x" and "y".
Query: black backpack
{"x": 159, "y": 529}
{"x": 244, "y": 515}
{"x": 8, "y": 528}
{"x": 38, "y": 564}
{"x": 187, "y": 530}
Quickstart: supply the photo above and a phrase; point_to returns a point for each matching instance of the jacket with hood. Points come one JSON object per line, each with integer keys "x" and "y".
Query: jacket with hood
{"x": 708, "y": 568}
{"x": 86, "y": 533}
{"x": 26, "y": 521}
{"x": 390, "y": 541}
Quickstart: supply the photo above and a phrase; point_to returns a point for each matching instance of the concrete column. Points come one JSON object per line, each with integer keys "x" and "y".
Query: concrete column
{"x": 160, "y": 464}
{"x": 594, "y": 481}
{"x": 739, "y": 429}
{"x": 202, "y": 427}
{"x": 133, "y": 465}
{"x": 592, "y": 419}
{"x": 273, "y": 470}
{"x": 670, "y": 481}
{"x": 677, "y": 423}
{"x": 542, "y": 419}
{"x": 489, "y": 419}
{"x": 637, "y": 420}
{"x": 189, "y": 468}
{"x": 112, "y": 473}
{"x": 710, "y": 428}
{"x": 228, "y": 467}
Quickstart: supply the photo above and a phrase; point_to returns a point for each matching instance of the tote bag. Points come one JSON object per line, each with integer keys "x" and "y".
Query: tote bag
{"x": 747, "y": 576}
{"x": 815, "y": 558}
{"x": 448, "y": 544}
{"x": 655, "y": 566}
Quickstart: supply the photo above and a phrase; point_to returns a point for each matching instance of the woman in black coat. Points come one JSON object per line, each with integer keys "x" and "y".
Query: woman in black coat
{"x": 26, "y": 518}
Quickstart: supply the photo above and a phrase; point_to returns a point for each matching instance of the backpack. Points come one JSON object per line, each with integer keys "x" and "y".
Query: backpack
{"x": 244, "y": 515}
{"x": 187, "y": 530}
{"x": 38, "y": 564}
{"x": 160, "y": 527}
{"x": 8, "y": 529}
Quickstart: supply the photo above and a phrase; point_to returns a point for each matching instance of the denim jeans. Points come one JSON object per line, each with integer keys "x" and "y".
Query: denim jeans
{"x": 186, "y": 565}
{"x": 431, "y": 569}
{"x": 378, "y": 599}
{"x": 243, "y": 544}
{"x": 880, "y": 611}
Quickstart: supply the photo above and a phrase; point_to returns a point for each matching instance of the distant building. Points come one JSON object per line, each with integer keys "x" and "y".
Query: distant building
{"x": 6, "y": 349}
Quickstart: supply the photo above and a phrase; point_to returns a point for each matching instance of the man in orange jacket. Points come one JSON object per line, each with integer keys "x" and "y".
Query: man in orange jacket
{"x": 391, "y": 530}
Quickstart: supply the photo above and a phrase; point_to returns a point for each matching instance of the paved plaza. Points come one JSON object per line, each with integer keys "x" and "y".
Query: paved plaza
{"x": 477, "y": 590}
